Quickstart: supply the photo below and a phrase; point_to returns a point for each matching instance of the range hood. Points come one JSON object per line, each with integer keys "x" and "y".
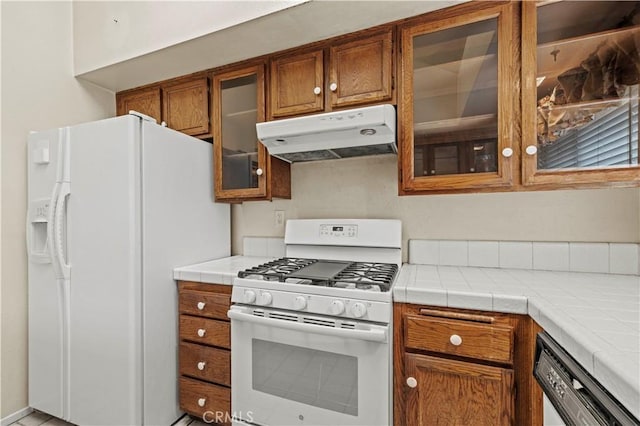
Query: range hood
{"x": 342, "y": 134}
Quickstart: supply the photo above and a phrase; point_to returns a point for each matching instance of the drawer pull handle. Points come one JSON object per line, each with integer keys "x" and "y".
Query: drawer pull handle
{"x": 412, "y": 382}
{"x": 201, "y": 332}
{"x": 455, "y": 340}
{"x": 201, "y": 402}
{"x": 457, "y": 315}
{"x": 201, "y": 365}
{"x": 201, "y": 305}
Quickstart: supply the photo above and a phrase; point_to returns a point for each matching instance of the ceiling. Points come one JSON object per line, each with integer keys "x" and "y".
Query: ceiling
{"x": 308, "y": 22}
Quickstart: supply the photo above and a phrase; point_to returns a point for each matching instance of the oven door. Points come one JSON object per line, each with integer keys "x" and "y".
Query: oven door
{"x": 289, "y": 368}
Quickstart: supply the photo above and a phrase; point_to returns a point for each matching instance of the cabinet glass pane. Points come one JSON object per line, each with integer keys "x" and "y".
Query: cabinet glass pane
{"x": 239, "y": 138}
{"x": 455, "y": 93}
{"x": 588, "y": 70}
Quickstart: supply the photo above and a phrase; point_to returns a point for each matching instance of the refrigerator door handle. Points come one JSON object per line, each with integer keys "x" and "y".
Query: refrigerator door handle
{"x": 60, "y": 231}
{"x": 50, "y": 218}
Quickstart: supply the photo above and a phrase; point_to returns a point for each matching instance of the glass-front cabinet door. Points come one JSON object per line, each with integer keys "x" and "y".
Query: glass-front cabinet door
{"x": 459, "y": 98}
{"x": 581, "y": 70}
{"x": 240, "y": 159}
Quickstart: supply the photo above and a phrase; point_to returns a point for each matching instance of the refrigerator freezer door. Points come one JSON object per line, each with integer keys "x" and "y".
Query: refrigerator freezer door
{"x": 103, "y": 248}
{"x": 46, "y": 294}
{"x": 181, "y": 225}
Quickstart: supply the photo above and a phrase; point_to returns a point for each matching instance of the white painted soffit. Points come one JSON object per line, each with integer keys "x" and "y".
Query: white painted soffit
{"x": 305, "y": 23}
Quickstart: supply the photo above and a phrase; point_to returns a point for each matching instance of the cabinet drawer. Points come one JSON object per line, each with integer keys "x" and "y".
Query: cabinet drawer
{"x": 205, "y": 399}
{"x": 489, "y": 342}
{"x": 206, "y": 331}
{"x": 205, "y": 363}
{"x": 212, "y": 305}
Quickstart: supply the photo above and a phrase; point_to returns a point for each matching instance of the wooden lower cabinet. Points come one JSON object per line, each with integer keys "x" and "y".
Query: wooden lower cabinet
{"x": 205, "y": 401}
{"x": 449, "y": 392}
{"x": 464, "y": 367}
{"x": 205, "y": 351}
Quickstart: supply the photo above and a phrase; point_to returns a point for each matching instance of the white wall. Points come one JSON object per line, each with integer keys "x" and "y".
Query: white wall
{"x": 367, "y": 187}
{"x": 108, "y": 32}
{"x": 153, "y": 41}
{"x": 38, "y": 92}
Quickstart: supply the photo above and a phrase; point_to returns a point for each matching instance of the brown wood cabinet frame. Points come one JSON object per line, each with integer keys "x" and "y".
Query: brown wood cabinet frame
{"x": 508, "y": 116}
{"x": 174, "y": 113}
{"x": 261, "y": 192}
{"x": 276, "y": 177}
{"x": 554, "y": 179}
{"x": 214, "y": 380}
{"x": 147, "y": 101}
{"x": 528, "y": 398}
{"x": 362, "y": 90}
{"x": 516, "y": 111}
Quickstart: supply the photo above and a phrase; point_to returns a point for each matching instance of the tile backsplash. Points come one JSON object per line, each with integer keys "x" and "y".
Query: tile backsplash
{"x": 263, "y": 246}
{"x": 613, "y": 258}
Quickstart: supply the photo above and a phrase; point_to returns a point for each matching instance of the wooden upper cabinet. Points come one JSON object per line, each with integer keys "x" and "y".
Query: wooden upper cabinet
{"x": 458, "y": 106}
{"x": 361, "y": 71}
{"x": 581, "y": 77}
{"x": 145, "y": 101}
{"x": 297, "y": 83}
{"x": 244, "y": 170}
{"x": 186, "y": 106}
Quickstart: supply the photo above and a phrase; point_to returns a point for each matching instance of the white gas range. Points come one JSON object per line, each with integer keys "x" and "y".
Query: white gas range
{"x": 311, "y": 333}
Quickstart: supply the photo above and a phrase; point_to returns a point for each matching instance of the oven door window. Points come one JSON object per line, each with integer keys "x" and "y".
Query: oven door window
{"x": 322, "y": 379}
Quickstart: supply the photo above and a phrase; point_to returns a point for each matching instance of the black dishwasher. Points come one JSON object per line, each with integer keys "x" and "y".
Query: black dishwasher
{"x": 576, "y": 395}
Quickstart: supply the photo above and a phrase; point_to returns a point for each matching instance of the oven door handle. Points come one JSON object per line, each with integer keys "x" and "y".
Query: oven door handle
{"x": 373, "y": 335}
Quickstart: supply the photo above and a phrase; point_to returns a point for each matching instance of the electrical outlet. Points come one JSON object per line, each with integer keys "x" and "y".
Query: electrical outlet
{"x": 279, "y": 217}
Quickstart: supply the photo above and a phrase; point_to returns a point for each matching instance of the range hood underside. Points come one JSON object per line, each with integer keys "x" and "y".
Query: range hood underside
{"x": 332, "y": 154}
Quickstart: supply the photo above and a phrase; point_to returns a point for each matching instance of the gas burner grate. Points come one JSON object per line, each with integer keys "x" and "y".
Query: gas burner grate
{"x": 368, "y": 275}
{"x": 276, "y": 270}
{"x": 355, "y": 275}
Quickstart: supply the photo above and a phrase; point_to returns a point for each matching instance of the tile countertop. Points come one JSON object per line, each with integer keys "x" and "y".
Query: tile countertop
{"x": 595, "y": 317}
{"x": 219, "y": 271}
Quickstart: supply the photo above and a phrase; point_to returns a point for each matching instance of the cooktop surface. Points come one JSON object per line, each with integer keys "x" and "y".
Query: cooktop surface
{"x": 371, "y": 276}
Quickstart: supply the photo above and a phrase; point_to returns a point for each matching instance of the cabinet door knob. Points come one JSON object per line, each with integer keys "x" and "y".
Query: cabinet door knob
{"x": 201, "y": 402}
{"x": 455, "y": 340}
{"x": 201, "y": 332}
{"x": 333, "y": 87}
{"x": 317, "y": 90}
{"x": 259, "y": 172}
{"x": 531, "y": 150}
{"x": 201, "y": 365}
{"x": 201, "y": 305}
{"x": 412, "y": 382}
{"x": 507, "y": 152}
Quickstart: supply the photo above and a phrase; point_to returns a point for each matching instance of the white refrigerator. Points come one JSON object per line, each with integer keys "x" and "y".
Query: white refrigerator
{"x": 114, "y": 206}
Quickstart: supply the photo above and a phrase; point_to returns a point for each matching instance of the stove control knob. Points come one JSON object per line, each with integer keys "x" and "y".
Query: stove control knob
{"x": 249, "y": 296}
{"x": 336, "y": 307}
{"x": 265, "y": 298}
{"x": 358, "y": 310}
{"x": 300, "y": 302}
